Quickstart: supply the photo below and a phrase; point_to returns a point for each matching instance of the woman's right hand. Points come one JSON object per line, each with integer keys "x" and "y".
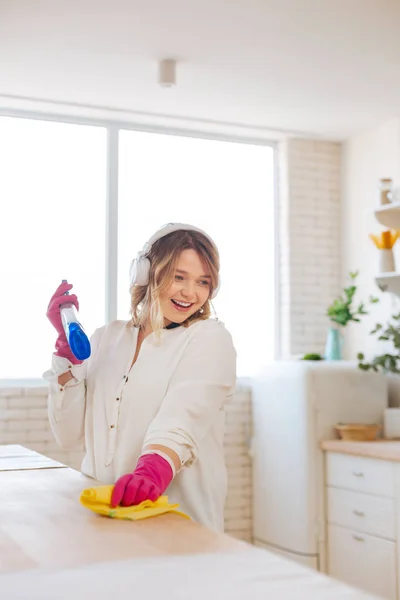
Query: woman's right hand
{"x": 54, "y": 316}
{"x": 53, "y": 309}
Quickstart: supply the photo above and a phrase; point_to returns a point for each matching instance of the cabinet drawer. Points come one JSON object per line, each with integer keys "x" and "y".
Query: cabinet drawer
{"x": 363, "y": 561}
{"x": 362, "y": 512}
{"x": 367, "y": 475}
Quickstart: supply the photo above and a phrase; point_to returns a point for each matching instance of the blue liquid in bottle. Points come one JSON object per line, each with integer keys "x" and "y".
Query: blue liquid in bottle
{"x": 76, "y": 337}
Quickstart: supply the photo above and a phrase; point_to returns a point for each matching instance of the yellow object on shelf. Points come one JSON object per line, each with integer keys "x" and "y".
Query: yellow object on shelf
{"x": 386, "y": 240}
{"x": 98, "y": 500}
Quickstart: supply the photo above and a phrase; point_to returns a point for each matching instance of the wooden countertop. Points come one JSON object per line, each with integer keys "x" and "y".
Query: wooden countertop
{"x": 43, "y": 524}
{"x": 52, "y": 547}
{"x": 253, "y": 575}
{"x": 382, "y": 449}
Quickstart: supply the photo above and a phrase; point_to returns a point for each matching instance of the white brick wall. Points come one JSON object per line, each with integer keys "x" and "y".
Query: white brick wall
{"x": 238, "y": 431}
{"x": 23, "y": 420}
{"x": 309, "y": 217}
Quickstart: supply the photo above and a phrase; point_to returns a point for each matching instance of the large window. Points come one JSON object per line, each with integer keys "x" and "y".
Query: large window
{"x": 225, "y": 188}
{"x": 53, "y": 216}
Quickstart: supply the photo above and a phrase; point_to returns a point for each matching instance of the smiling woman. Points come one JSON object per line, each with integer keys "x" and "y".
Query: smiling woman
{"x": 183, "y": 279}
{"x": 189, "y": 290}
{"x": 148, "y": 405}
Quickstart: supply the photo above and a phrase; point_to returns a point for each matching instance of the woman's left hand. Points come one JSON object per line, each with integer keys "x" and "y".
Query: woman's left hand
{"x": 149, "y": 480}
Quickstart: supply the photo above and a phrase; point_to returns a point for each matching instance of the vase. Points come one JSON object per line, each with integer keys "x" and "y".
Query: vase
{"x": 333, "y": 348}
{"x": 386, "y": 260}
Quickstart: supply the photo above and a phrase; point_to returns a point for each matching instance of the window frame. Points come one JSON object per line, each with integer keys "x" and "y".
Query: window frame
{"x": 113, "y": 127}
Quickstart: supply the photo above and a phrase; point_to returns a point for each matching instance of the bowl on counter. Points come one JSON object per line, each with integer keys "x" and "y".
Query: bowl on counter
{"x": 357, "y": 432}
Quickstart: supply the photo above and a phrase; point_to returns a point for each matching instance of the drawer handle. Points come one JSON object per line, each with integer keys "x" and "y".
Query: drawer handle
{"x": 359, "y": 538}
{"x": 358, "y": 474}
{"x": 359, "y": 513}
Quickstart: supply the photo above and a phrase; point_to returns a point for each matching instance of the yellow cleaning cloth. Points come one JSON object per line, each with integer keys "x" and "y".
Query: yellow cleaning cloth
{"x": 98, "y": 499}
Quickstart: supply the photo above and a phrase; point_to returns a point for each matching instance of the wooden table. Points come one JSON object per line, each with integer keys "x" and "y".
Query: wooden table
{"x": 52, "y": 547}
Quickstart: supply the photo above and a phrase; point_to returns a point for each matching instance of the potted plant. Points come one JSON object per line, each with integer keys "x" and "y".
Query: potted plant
{"x": 341, "y": 312}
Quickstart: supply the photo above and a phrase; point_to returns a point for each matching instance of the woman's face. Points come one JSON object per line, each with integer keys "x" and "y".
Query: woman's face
{"x": 189, "y": 289}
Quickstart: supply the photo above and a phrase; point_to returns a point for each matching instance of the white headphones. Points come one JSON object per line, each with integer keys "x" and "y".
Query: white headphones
{"x": 140, "y": 266}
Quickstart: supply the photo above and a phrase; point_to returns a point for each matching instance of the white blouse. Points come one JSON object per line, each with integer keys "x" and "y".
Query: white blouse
{"x": 174, "y": 395}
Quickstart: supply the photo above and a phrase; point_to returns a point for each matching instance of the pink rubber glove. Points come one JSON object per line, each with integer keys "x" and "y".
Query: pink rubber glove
{"x": 54, "y": 316}
{"x": 149, "y": 480}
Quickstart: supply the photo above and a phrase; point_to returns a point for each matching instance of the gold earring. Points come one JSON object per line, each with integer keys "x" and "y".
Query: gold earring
{"x": 201, "y": 310}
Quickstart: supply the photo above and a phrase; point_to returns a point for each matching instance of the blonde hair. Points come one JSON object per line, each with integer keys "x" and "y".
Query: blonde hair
{"x": 163, "y": 257}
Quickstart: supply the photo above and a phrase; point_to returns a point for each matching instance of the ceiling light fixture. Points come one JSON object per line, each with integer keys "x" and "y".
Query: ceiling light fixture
{"x": 167, "y": 73}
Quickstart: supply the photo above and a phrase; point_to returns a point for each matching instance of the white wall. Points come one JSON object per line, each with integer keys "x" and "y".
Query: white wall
{"x": 367, "y": 157}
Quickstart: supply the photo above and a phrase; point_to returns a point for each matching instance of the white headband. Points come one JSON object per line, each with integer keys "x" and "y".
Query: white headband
{"x": 140, "y": 267}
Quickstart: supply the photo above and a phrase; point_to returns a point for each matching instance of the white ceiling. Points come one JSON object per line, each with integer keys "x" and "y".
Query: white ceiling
{"x": 320, "y": 67}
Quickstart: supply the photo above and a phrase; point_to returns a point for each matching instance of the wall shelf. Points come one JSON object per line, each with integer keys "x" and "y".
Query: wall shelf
{"x": 389, "y": 282}
{"x": 389, "y": 215}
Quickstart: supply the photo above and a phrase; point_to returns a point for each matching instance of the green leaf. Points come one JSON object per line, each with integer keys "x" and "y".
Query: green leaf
{"x": 350, "y": 291}
{"x": 313, "y": 356}
{"x": 364, "y": 367}
{"x": 360, "y": 356}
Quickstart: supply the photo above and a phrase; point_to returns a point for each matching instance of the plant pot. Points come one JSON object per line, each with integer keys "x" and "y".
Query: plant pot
{"x": 334, "y": 343}
{"x": 357, "y": 432}
{"x": 386, "y": 260}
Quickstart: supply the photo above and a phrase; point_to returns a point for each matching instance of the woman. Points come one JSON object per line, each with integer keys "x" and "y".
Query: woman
{"x": 148, "y": 405}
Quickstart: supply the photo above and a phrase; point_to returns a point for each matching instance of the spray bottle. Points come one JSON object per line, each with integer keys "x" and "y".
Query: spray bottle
{"x": 75, "y": 334}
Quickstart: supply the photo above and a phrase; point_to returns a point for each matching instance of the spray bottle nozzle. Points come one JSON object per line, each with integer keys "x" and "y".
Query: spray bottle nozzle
{"x": 67, "y": 292}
